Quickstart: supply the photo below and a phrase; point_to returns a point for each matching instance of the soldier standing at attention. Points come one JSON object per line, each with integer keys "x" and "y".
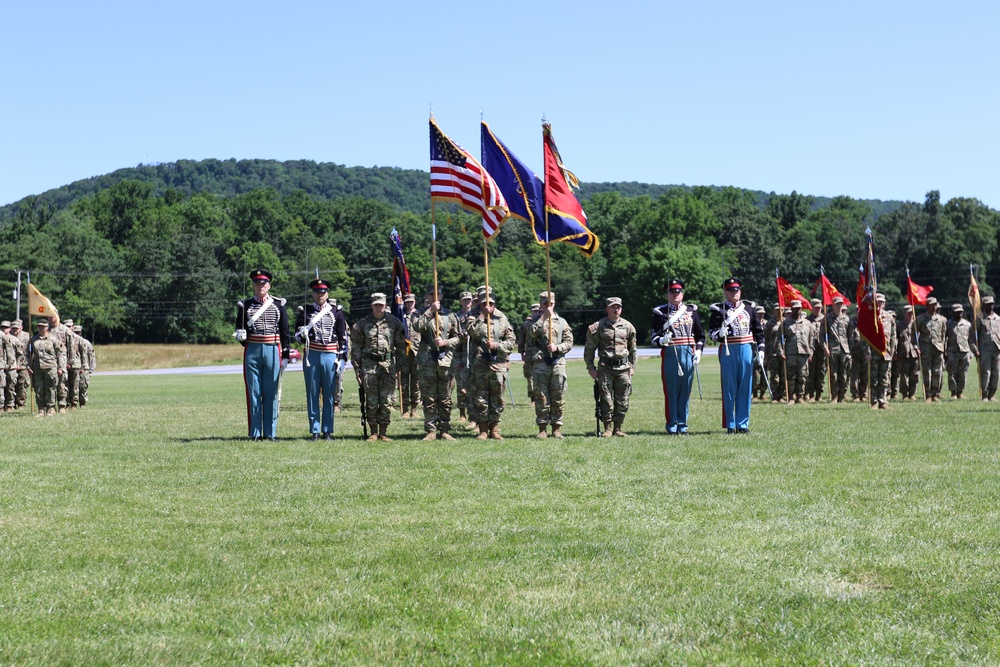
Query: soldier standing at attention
{"x": 409, "y": 386}
{"x": 48, "y": 364}
{"x": 613, "y": 339}
{"x": 88, "y": 363}
{"x": 837, "y": 324}
{"x": 859, "y": 363}
{"x": 437, "y": 328}
{"x": 759, "y": 382}
{"x": 522, "y": 335}
{"x": 961, "y": 341}
{"x": 549, "y": 339}
{"x": 322, "y": 326}
{"x": 263, "y": 332}
{"x": 798, "y": 332}
{"x": 73, "y": 366}
{"x": 817, "y": 363}
{"x": 64, "y": 335}
{"x": 20, "y": 340}
{"x": 772, "y": 353}
{"x": 741, "y": 344}
{"x": 460, "y": 359}
{"x": 7, "y": 376}
{"x": 676, "y": 330}
{"x": 907, "y": 355}
{"x": 932, "y": 332}
{"x": 377, "y": 343}
{"x": 881, "y": 361}
{"x": 988, "y": 350}
{"x": 491, "y": 340}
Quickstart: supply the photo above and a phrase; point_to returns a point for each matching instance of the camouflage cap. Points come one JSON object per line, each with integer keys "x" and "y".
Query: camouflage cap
{"x": 77, "y": 328}
{"x": 957, "y": 308}
{"x": 988, "y": 301}
{"x": 795, "y": 303}
{"x": 546, "y": 297}
{"x": 612, "y": 301}
{"x": 536, "y": 306}
{"x": 16, "y": 323}
{"x": 487, "y": 298}
{"x": 760, "y": 309}
{"x": 409, "y": 297}
{"x": 838, "y": 299}
{"x": 881, "y": 297}
{"x": 786, "y": 311}
{"x": 465, "y": 295}
{"x": 68, "y": 322}
{"x": 777, "y": 306}
{"x": 907, "y": 308}
{"x": 378, "y": 297}
{"x": 931, "y": 301}
{"x": 42, "y": 322}
{"x": 816, "y": 303}
{"x": 5, "y": 324}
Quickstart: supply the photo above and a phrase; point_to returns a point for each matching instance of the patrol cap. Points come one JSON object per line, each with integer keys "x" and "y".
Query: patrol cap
{"x": 546, "y": 297}
{"x": 5, "y": 324}
{"x": 838, "y": 299}
{"x": 795, "y": 303}
{"x": 319, "y": 284}
{"x": 957, "y": 308}
{"x": 931, "y": 301}
{"x": 988, "y": 300}
{"x": 378, "y": 297}
{"x": 673, "y": 283}
{"x": 816, "y": 303}
{"x": 465, "y": 295}
{"x": 536, "y": 306}
{"x": 77, "y": 329}
{"x": 42, "y": 322}
{"x": 881, "y": 297}
{"x": 786, "y": 311}
{"x": 68, "y": 322}
{"x": 260, "y": 276}
{"x": 487, "y": 298}
{"x": 409, "y": 297}
{"x": 16, "y": 323}
{"x": 612, "y": 301}
{"x": 760, "y": 309}
{"x": 907, "y": 308}
{"x": 731, "y": 282}
{"x": 777, "y": 306}
{"x": 430, "y": 290}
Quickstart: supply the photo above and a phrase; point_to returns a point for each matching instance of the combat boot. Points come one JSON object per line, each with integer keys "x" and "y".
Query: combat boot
{"x": 607, "y": 430}
{"x": 483, "y": 434}
{"x": 495, "y": 431}
{"x": 472, "y": 426}
{"x": 542, "y": 433}
{"x": 447, "y": 436}
{"x": 381, "y": 433}
{"x": 618, "y": 430}
{"x": 373, "y": 429}
{"x": 431, "y": 436}
{"x": 556, "y": 432}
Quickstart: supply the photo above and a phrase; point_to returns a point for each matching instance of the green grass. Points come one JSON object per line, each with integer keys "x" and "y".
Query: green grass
{"x": 146, "y": 530}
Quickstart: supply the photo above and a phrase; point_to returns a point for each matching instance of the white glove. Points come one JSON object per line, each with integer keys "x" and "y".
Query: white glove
{"x": 697, "y": 357}
{"x": 302, "y": 334}
{"x": 284, "y": 365}
{"x": 240, "y": 335}
{"x": 665, "y": 338}
{"x": 760, "y": 358}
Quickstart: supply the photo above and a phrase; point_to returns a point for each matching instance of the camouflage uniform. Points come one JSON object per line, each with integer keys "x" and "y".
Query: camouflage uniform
{"x": 522, "y": 335}
{"x": 489, "y": 371}
{"x": 882, "y": 362}
{"x": 772, "y": 354}
{"x": 376, "y": 345}
{"x": 20, "y": 339}
{"x": 615, "y": 346}
{"x": 434, "y": 368}
{"x": 817, "y": 365}
{"x": 549, "y": 370}
{"x": 409, "y": 387}
{"x": 988, "y": 343}
{"x": 88, "y": 364}
{"x": 932, "y": 332}
{"x": 8, "y": 379}
{"x": 65, "y": 336}
{"x": 859, "y": 362}
{"x": 48, "y": 363}
{"x": 460, "y": 360}
{"x": 959, "y": 347}
{"x": 759, "y": 385}
{"x": 906, "y": 362}
{"x": 799, "y": 342}
{"x": 840, "y": 354}
{"x": 73, "y": 366}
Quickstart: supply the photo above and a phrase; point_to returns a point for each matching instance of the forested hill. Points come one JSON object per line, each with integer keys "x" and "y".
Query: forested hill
{"x": 405, "y": 189}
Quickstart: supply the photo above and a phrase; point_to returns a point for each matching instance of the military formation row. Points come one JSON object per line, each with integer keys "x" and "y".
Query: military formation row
{"x": 801, "y": 350}
{"x": 56, "y": 363}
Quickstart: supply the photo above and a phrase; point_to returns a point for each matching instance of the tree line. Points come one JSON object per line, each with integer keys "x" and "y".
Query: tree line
{"x": 137, "y": 264}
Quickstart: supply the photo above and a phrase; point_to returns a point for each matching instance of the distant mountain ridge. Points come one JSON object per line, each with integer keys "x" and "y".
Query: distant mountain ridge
{"x": 406, "y": 189}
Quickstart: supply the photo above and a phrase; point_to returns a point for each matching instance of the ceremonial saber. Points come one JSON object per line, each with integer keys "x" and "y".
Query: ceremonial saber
{"x": 697, "y": 376}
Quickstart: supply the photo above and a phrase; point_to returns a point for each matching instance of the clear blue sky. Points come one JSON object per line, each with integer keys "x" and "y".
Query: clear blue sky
{"x": 882, "y": 100}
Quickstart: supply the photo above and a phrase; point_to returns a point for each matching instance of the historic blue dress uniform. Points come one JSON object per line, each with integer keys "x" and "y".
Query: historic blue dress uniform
{"x": 741, "y": 344}
{"x": 323, "y": 328}
{"x": 677, "y": 331}
{"x": 262, "y": 329}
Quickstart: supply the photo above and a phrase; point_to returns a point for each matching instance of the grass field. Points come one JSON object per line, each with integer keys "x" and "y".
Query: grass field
{"x": 127, "y": 356}
{"x": 146, "y": 530}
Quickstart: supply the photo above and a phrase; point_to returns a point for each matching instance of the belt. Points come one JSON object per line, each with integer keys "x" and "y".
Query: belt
{"x": 615, "y": 364}
{"x": 271, "y": 339}
{"x": 682, "y": 341}
{"x": 323, "y": 347}
{"x": 737, "y": 340}
{"x": 378, "y": 357}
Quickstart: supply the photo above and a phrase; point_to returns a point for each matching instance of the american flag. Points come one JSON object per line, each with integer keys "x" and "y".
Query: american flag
{"x": 457, "y": 177}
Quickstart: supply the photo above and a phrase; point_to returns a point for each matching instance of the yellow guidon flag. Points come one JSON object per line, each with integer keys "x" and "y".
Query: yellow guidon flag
{"x": 39, "y": 304}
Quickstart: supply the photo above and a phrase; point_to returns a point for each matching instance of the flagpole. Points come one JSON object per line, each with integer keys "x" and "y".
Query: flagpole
{"x": 781, "y": 328}
{"x": 826, "y": 327}
{"x": 486, "y": 269}
{"x": 434, "y": 264}
{"x": 975, "y": 327}
{"x": 913, "y": 325}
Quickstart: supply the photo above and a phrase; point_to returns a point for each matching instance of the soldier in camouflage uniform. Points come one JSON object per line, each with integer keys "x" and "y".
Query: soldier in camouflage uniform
{"x": 377, "y": 343}
{"x": 987, "y": 350}
{"x": 438, "y": 330}
{"x": 817, "y": 365}
{"x": 64, "y": 335}
{"x": 772, "y": 353}
{"x": 960, "y": 341}
{"x": 549, "y": 339}
{"x": 906, "y": 362}
{"x": 837, "y": 324}
{"x": 491, "y": 340}
{"x": 47, "y": 359}
{"x": 460, "y": 359}
{"x": 73, "y": 367}
{"x": 932, "y": 333}
{"x": 798, "y": 350}
{"x": 859, "y": 363}
{"x": 7, "y": 379}
{"x": 522, "y": 335}
{"x": 613, "y": 339}
{"x": 409, "y": 387}
{"x": 20, "y": 340}
{"x": 88, "y": 363}
{"x": 759, "y": 384}
{"x": 881, "y": 362}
